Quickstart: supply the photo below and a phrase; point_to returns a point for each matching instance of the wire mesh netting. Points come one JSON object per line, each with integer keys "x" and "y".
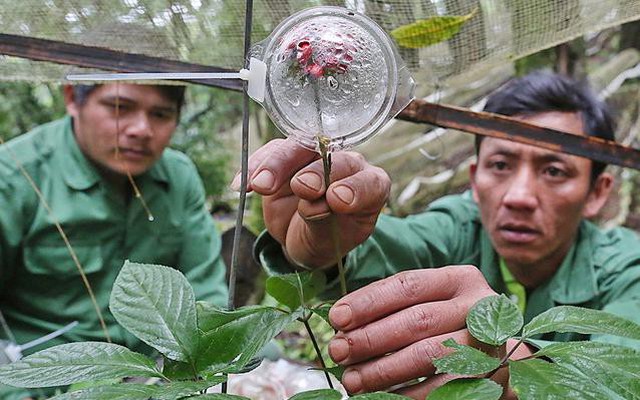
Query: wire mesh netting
{"x": 210, "y": 32}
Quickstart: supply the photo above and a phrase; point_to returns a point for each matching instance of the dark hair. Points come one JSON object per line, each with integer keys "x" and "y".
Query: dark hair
{"x": 543, "y": 91}
{"x": 173, "y": 92}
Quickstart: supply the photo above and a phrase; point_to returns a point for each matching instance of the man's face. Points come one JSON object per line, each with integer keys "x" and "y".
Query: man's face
{"x": 123, "y": 127}
{"x": 531, "y": 200}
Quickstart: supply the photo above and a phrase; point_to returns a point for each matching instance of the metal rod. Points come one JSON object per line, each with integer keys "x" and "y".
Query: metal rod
{"x": 133, "y": 76}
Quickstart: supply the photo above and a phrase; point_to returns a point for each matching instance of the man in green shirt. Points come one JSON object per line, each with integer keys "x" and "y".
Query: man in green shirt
{"x": 82, "y": 165}
{"x": 522, "y": 230}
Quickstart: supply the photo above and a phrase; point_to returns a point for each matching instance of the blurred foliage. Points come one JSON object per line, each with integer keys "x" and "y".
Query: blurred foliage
{"x": 24, "y": 106}
{"x": 254, "y": 219}
{"x": 207, "y": 112}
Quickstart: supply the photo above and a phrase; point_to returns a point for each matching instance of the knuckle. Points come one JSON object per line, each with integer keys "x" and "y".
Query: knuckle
{"x": 408, "y": 284}
{"x": 419, "y": 320}
{"x": 423, "y": 354}
{"x": 383, "y": 376}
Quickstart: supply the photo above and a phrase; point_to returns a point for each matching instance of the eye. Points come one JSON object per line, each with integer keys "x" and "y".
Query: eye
{"x": 163, "y": 115}
{"x": 555, "y": 172}
{"x": 114, "y": 106}
{"x": 498, "y": 165}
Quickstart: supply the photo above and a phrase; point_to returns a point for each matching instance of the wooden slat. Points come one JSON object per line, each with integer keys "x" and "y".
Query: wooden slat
{"x": 105, "y": 59}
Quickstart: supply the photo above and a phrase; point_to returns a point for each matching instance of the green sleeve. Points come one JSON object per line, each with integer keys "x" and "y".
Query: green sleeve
{"x": 440, "y": 236}
{"x": 13, "y": 223}
{"x": 200, "y": 258}
{"x": 623, "y": 299}
{"x": 432, "y": 239}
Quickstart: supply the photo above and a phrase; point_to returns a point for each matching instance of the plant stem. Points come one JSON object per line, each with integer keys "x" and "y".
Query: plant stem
{"x": 305, "y": 321}
{"x": 323, "y": 142}
{"x": 505, "y": 359}
{"x": 510, "y": 353}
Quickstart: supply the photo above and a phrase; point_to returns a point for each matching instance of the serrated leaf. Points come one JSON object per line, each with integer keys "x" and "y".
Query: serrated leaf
{"x": 294, "y": 290}
{"x": 494, "y": 319}
{"x": 236, "y": 336}
{"x": 465, "y": 360}
{"x": 615, "y": 367}
{"x": 219, "y": 396}
{"x": 111, "y": 392}
{"x": 77, "y": 362}
{"x": 135, "y": 391}
{"x": 467, "y": 388}
{"x": 320, "y": 394}
{"x": 537, "y": 379}
{"x": 581, "y": 320}
{"x": 379, "y": 396}
{"x": 429, "y": 31}
{"x": 157, "y": 305}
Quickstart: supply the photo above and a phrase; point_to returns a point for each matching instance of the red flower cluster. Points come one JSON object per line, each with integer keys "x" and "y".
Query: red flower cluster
{"x": 332, "y": 62}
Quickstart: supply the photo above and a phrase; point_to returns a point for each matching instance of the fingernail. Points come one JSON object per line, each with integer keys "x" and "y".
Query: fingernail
{"x": 339, "y": 349}
{"x": 311, "y": 180}
{"x": 340, "y": 316}
{"x": 235, "y": 183}
{"x": 264, "y": 180}
{"x": 352, "y": 381}
{"x": 344, "y": 193}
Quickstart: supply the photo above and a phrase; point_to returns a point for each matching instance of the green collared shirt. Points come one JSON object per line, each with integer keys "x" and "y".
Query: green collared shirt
{"x": 601, "y": 271}
{"x": 40, "y": 287}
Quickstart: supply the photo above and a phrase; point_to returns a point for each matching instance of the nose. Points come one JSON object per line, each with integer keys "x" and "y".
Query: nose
{"x": 522, "y": 193}
{"x": 139, "y": 126}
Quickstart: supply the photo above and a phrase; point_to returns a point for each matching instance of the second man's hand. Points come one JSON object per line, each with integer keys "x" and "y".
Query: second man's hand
{"x": 296, "y": 204}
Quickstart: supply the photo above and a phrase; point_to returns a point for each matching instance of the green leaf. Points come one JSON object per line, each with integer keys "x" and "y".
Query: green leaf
{"x": 157, "y": 304}
{"x": 337, "y": 371}
{"x": 322, "y": 311}
{"x": 218, "y": 396}
{"x": 429, "y": 31}
{"x": 537, "y": 379}
{"x": 320, "y": 394}
{"x": 177, "y": 370}
{"x": 581, "y": 320}
{"x": 112, "y": 392}
{"x": 294, "y": 290}
{"x": 615, "y": 367}
{"x": 77, "y": 362}
{"x": 135, "y": 391}
{"x": 467, "y": 388}
{"x": 465, "y": 361}
{"x": 494, "y": 319}
{"x": 379, "y": 396}
{"x": 236, "y": 336}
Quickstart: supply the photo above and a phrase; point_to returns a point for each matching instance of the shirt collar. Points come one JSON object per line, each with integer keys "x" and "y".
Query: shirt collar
{"x": 575, "y": 281}
{"x": 80, "y": 173}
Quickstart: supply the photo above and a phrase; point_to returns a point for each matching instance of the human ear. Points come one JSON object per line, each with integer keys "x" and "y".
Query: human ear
{"x": 473, "y": 168}
{"x": 598, "y": 195}
{"x": 70, "y": 101}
